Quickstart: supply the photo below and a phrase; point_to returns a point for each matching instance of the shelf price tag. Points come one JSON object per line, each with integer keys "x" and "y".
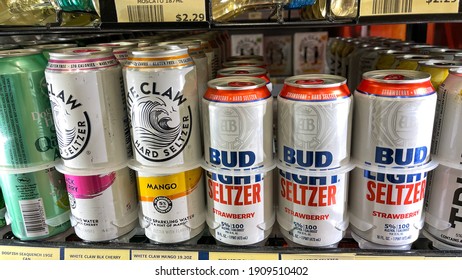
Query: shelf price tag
{"x": 327, "y": 257}
{"x": 407, "y": 7}
{"x": 28, "y": 253}
{"x": 163, "y": 255}
{"x": 375, "y": 257}
{"x": 96, "y": 254}
{"x": 242, "y": 256}
{"x": 160, "y": 10}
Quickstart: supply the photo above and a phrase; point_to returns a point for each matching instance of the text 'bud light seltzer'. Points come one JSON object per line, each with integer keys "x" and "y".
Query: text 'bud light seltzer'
{"x": 393, "y": 118}
{"x": 163, "y": 106}
{"x": 314, "y": 122}
{"x": 238, "y": 123}
{"x": 446, "y": 144}
{"x": 312, "y": 207}
{"x": 26, "y": 121}
{"x": 240, "y": 208}
{"x": 104, "y": 206}
{"x": 37, "y": 203}
{"x": 386, "y": 205}
{"x": 251, "y": 71}
{"x": 172, "y": 205}
{"x": 443, "y": 212}
{"x": 85, "y": 87}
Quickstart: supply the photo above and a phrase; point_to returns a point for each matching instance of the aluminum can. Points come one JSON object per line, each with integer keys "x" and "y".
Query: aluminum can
{"x": 251, "y": 71}
{"x": 443, "y": 53}
{"x": 443, "y": 205}
{"x": 26, "y": 121}
{"x": 240, "y": 208}
{"x": 103, "y": 206}
{"x": 347, "y": 62}
{"x": 238, "y": 123}
{"x": 338, "y": 54}
{"x": 46, "y": 48}
{"x": 172, "y": 205}
{"x": 438, "y": 69}
{"x": 37, "y": 203}
{"x": 140, "y": 42}
{"x": 245, "y": 62}
{"x": 91, "y": 124}
{"x": 458, "y": 56}
{"x": 332, "y": 44}
{"x": 446, "y": 146}
{"x": 210, "y": 53}
{"x": 314, "y": 122}
{"x": 386, "y": 59}
{"x": 385, "y": 205}
{"x": 245, "y": 57}
{"x": 393, "y": 118}
{"x": 163, "y": 106}
{"x": 361, "y": 62}
{"x": 312, "y": 207}
{"x": 410, "y": 61}
{"x": 119, "y": 49}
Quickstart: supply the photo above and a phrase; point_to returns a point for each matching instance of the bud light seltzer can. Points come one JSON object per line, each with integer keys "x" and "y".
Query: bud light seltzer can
{"x": 240, "y": 209}
{"x": 385, "y": 205}
{"x": 393, "y": 118}
{"x": 37, "y": 203}
{"x": 312, "y": 208}
{"x": 443, "y": 213}
{"x": 314, "y": 122}
{"x": 172, "y": 205}
{"x": 163, "y": 106}
{"x": 26, "y": 121}
{"x": 446, "y": 146}
{"x": 238, "y": 123}
{"x": 85, "y": 87}
{"x": 251, "y": 71}
{"x": 104, "y": 206}
{"x": 438, "y": 69}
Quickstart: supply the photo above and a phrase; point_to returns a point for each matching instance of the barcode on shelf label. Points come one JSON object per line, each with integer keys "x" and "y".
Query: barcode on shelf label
{"x": 398, "y": 7}
{"x": 33, "y": 215}
{"x": 160, "y": 10}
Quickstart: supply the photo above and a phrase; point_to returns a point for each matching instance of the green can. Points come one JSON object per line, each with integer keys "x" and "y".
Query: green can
{"x": 26, "y": 120}
{"x": 37, "y": 203}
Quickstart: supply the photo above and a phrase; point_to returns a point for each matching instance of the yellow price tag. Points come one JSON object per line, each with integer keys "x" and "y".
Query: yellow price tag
{"x": 160, "y": 11}
{"x": 96, "y": 254}
{"x": 414, "y": 7}
{"x": 163, "y": 255}
{"x": 242, "y": 256}
{"x": 28, "y": 253}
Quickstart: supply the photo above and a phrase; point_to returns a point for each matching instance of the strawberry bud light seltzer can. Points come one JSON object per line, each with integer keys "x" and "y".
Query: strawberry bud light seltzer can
{"x": 238, "y": 123}
{"x": 163, "y": 106}
{"x": 251, "y": 71}
{"x": 445, "y": 146}
{"x": 314, "y": 122}
{"x": 85, "y": 87}
{"x": 443, "y": 213}
{"x": 393, "y": 118}
{"x": 385, "y": 205}
{"x": 103, "y": 206}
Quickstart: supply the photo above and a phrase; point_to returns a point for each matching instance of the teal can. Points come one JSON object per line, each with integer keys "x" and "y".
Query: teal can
{"x": 37, "y": 203}
{"x": 26, "y": 120}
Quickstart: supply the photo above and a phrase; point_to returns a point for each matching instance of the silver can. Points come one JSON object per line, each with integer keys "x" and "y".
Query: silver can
{"x": 314, "y": 122}
{"x": 438, "y": 69}
{"x": 119, "y": 49}
{"x": 246, "y": 71}
{"x": 85, "y": 87}
{"x": 393, "y": 118}
{"x": 163, "y": 106}
{"x": 361, "y": 62}
{"x": 238, "y": 123}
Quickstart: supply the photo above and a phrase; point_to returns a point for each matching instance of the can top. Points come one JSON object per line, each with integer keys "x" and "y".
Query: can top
{"x": 442, "y": 50}
{"x": 315, "y": 87}
{"x": 54, "y": 46}
{"x": 241, "y": 71}
{"x": 456, "y": 71}
{"x": 396, "y": 83}
{"x": 81, "y": 52}
{"x": 122, "y": 45}
{"x": 158, "y": 51}
{"x": 237, "y": 89}
{"x": 244, "y": 62}
{"x": 194, "y": 46}
{"x": 441, "y": 63}
{"x": 415, "y": 57}
{"x": 18, "y": 52}
{"x": 389, "y": 51}
{"x": 245, "y": 57}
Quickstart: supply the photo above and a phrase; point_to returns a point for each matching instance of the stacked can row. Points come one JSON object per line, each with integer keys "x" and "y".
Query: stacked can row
{"x": 34, "y": 191}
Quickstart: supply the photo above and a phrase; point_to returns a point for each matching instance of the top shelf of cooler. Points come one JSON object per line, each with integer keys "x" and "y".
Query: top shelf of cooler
{"x": 132, "y": 15}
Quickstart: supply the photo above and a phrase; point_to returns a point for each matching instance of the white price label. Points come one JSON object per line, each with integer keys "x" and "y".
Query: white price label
{"x": 160, "y": 10}
{"x": 414, "y": 7}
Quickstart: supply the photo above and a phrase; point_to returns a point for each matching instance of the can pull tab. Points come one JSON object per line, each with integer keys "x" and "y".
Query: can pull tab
{"x": 360, "y": 224}
{"x": 59, "y": 219}
{"x": 268, "y": 224}
{"x": 127, "y": 219}
{"x": 435, "y": 222}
